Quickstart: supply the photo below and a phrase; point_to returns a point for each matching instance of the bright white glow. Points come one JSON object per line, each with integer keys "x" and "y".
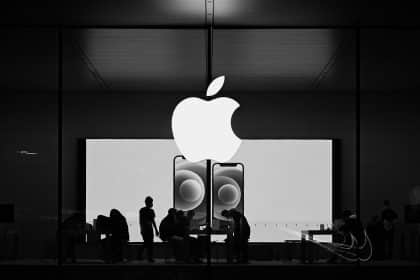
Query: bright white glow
{"x": 215, "y": 86}
{"x": 202, "y": 129}
{"x": 287, "y": 186}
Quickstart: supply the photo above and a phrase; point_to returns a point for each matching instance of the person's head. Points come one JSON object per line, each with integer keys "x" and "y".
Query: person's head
{"x": 226, "y": 213}
{"x": 172, "y": 212}
{"x": 190, "y": 214}
{"x": 387, "y": 203}
{"x": 235, "y": 214}
{"x": 114, "y": 213}
{"x": 179, "y": 214}
{"x": 149, "y": 202}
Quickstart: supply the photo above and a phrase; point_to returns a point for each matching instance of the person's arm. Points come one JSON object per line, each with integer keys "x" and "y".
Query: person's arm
{"x": 140, "y": 220}
{"x": 156, "y": 229}
{"x": 154, "y": 224}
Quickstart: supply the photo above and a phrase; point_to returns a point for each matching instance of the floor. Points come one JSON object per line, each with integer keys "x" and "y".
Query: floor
{"x": 257, "y": 270}
{"x": 171, "y": 262}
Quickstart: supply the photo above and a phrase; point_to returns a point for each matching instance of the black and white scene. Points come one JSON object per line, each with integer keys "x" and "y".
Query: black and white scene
{"x": 209, "y": 139}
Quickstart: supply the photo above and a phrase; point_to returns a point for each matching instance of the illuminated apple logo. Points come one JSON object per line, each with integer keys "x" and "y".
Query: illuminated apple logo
{"x": 202, "y": 129}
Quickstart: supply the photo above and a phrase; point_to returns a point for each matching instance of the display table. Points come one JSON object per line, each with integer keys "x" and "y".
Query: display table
{"x": 307, "y": 236}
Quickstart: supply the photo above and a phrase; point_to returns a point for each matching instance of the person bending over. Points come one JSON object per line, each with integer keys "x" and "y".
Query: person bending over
{"x": 119, "y": 235}
{"x": 241, "y": 233}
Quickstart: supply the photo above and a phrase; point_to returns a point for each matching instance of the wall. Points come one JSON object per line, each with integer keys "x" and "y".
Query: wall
{"x": 28, "y": 122}
{"x": 390, "y": 122}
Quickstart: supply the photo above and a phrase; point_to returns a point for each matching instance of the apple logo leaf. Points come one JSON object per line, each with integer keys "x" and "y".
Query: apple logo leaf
{"x": 215, "y": 86}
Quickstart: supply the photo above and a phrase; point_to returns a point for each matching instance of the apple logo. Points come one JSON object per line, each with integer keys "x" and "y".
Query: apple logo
{"x": 202, "y": 129}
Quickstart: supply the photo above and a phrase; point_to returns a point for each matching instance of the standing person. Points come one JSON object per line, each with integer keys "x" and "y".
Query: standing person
{"x": 388, "y": 217}
{"x": 147, "y": 224}
{"x": 241, "y": 233}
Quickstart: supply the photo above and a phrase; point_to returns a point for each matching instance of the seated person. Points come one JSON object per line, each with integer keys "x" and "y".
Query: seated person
{"x": 115, "y": 229}
{"x": 167, "y": 228}
{"x": 119, "y": 235}
{"x": 103, "y": 227}
{"x": 197, "y": 246}
{"x": 73, "y": 230}
{"x": 182, "y": 230}
{"x": 167, "y": 231}
{"x": 181, "y": 225}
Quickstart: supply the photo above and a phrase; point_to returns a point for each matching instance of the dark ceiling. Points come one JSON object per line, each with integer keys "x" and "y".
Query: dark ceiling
{"x": 116, "y": 58}
{"x": 252, "y": 60}
{"x": 226, "y": 12}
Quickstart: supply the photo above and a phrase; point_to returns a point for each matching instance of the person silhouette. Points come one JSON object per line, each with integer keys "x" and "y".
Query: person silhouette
{"x": 119, "y": 235}
{"x": 388, "y": 218}
{"x": 147, "y": 224}
{"x": 190, "y": 245}
{"x": 73, "y": 229}
{"x": 195, "y": 245}
{"x": 240, "y": 234}
{"x": 167, "y": 226}
{"x": 181, "y": 226}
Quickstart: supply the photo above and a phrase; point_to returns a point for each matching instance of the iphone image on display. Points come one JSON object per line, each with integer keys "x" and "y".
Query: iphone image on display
{"x": 189, "y": 189}
{"x": 227, "y": 192}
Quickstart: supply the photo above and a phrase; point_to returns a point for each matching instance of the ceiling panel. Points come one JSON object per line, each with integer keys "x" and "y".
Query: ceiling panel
{"x": 136, "y": 60}
{"x": 104, "y": 12}
{"x": 282, "y": 59}
{"x": 284, "y": 12}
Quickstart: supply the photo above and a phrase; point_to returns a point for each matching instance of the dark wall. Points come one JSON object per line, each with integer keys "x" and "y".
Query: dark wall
{"x": 390, "y": 122}
{"x": 28, "y": 122}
